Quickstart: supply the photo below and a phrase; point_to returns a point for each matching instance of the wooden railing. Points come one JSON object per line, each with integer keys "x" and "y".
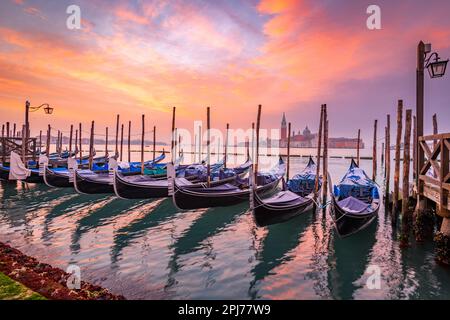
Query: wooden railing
{"x": 9, "y": 144}
{"x": 437, "y": 186}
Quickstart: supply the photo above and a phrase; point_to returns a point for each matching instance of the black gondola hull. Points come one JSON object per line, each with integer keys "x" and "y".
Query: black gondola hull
{"x": 346, "y": 223}
{"x": 53, "y": 179}
{"x": 126, "y": 190}
{"x": 88, "y": 186}
{"x": 265, "y": 214}
{"x": 186, "y": 198}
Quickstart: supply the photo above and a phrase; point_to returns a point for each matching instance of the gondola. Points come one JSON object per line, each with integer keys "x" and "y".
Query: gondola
{"x": 355, "y": 201}
{"x": 187, "y": 197}
{"x": 296, "y": 198}
{"x": 147, "y": 187}
{"x": 89, "y": 182}
{"x": 59, "y": 177}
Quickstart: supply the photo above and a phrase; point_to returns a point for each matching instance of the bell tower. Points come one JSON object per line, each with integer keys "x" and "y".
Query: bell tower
{"x": 283, "y": 127}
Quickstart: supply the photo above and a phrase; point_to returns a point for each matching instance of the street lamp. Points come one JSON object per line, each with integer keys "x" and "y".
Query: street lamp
{"x": 437, "y": 68}
{"x": 28, "y": 109}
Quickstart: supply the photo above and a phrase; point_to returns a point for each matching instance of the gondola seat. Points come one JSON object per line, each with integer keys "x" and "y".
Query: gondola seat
{"x": 285, "y": 197}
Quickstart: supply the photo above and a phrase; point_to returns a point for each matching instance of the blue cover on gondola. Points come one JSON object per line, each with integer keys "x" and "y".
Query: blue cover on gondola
{"x": 357, "y": 184}
{"x": 304, "y": 181}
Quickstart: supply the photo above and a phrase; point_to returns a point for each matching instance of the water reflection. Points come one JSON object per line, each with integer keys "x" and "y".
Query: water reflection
{"x": 274, "y": 249}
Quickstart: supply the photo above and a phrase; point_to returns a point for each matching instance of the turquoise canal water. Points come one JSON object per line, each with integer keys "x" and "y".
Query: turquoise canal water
{"x": 150, "y": 250}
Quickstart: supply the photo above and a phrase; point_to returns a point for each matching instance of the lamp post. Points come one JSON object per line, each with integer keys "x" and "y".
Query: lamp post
{"x": 28, "y": 109}
{"x": 436, "y": 69}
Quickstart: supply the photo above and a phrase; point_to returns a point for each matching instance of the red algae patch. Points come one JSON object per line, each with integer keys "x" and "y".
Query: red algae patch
{"x": 46, "y": 280}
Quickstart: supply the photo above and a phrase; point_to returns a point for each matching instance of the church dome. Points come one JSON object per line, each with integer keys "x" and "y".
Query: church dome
{"x": 306, "y": 132}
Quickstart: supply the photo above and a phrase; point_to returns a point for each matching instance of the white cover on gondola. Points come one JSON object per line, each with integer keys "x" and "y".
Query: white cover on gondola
{"x": 112, "y": 164}
{"x": 171, "y": 178}
{"x": 123, "y": 165}
{"x": 43, "y": 162}
{"x": 17, "y": 170}
{"x": 72, "y": 165}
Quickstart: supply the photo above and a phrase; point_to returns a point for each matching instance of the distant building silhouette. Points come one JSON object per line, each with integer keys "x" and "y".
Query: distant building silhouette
{"x": 307, "y": 139}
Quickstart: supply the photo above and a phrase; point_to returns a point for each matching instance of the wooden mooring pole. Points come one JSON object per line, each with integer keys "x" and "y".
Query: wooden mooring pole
{"x": 414, "y": 148}
{"x": 405, "y": 189}
{"x": 225, "y": 151}
{"x": 374, "y": 156}
{"x": 129, "y": 141}
{"x": 80, "y": 144}
{"x": 70, "y": 140}
{"x": 24, "y": 139}
{"x": 47, "y": 146}
{"x": 121, "y": 142}
{"x": 385, "y": 146}
{"x": 288, "y": 166}
{"x": 258, "y": 124}
{"x": 358, "y": 147}
{"x": 91, "y": 146}
{"x": 106, "y": 143}
{"x": 435, "y": 129}
{"x": 173, "y": 141}
{"x": 325, "y": 158}
{"x": 395, "y": 206}
{"x": 319, "y": 146}
{"x": 116, "y": 151}
{"x": 388, "y": 156}
{"x": 142, "y": 145}
{"x": 76, "y": 143}
{"x": 154, "y": 143}
{"x": 3, "y": 145}
{"x": 40, "y": 140}
{"x": 208, "y": 145}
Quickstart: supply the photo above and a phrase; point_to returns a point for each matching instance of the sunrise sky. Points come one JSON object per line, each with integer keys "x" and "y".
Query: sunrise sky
{"x": 134, "y": 57}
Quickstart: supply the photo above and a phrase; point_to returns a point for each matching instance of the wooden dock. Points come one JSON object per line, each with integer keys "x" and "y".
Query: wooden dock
{"x": 434, "y": 176}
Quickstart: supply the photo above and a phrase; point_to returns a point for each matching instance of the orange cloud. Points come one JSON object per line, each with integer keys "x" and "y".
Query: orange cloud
{"x": 129, "y": 16}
